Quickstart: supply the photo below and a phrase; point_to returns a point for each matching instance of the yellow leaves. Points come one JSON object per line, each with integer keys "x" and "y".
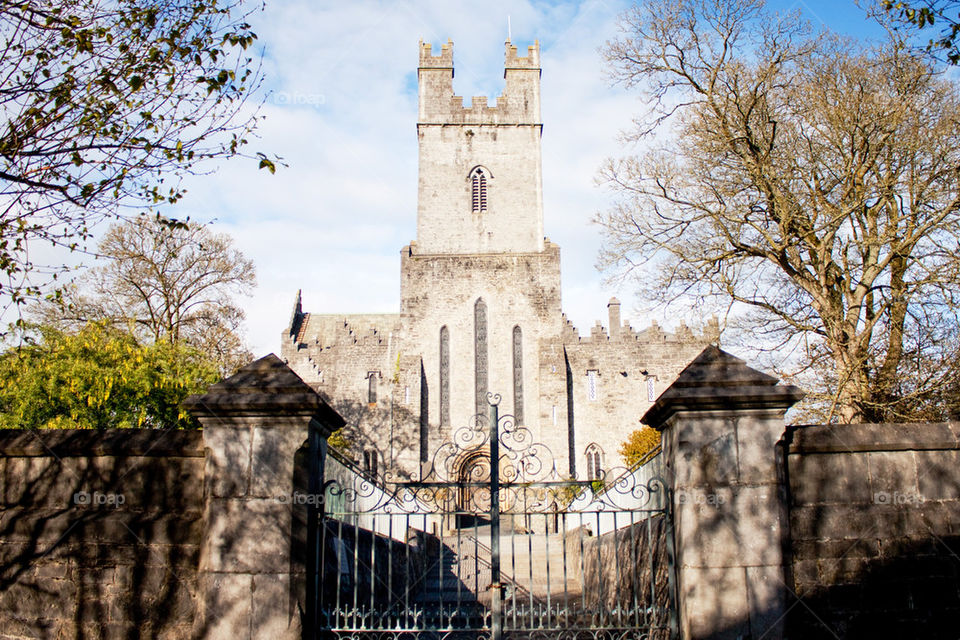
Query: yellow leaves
{"x": 639, "y": 444}
{"x": 98, "y": 378}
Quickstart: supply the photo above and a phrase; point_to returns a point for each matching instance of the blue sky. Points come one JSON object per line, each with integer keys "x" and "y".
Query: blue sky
{"x": 342, "y": 113}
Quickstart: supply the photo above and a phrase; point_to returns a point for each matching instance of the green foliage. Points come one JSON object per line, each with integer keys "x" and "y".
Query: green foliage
{"x": 107, "y": 105}
{"x": 639, "y": 444}
{"x": 99, "y": 378}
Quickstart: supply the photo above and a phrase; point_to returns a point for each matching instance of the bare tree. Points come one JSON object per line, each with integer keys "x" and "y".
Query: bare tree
{"x": 810, "y": 182}
{"x": 104, "y": 107}
{"x": 942, "y": 16}
{"x": 167, "y": 280}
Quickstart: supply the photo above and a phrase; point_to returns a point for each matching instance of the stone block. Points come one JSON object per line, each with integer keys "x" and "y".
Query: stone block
{"x": 708, "y": 462}
{"x": 275, "y": 614}
{"x": 274, "y": 449}
{"x": 729, "y": 527}
{"x": 227, "y": 470}
{"x": 248, "y": 535}
{"x": 757, "y": 438}
{"x": 829, "y": 478}
{"x": 227, "y": 608}
{"x": 715, "y": 603}
{"x": 937, "y": 475}
{"x": 767, "y": 598}
{"x": 893, "y": 476}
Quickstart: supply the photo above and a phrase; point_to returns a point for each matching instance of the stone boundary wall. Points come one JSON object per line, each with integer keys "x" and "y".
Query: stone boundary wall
{"x": 100, "y": 533}
{"x": 874, "y": 514}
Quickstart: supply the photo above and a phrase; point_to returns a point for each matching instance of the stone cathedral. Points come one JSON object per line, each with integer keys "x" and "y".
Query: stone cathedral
{"x": 480, "y": 307}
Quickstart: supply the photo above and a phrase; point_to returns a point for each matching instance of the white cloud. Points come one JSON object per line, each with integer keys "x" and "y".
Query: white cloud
{"x": 342, "y": 114}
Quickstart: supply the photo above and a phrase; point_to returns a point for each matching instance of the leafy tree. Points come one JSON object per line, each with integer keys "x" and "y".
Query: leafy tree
{"x": 170, "y": 281}
{"x": 924, "y": 14}
{"x": 105, "y": 107}
{"x": 638, "y": 445}
{"x": 809, "y": 182}
{"x": 100, "y": 377}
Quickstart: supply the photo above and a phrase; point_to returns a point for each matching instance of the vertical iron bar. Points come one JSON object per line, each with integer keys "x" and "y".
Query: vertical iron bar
{"x": 601, "y": 598}
{"x": 562, "y": 530}
{"x": 513, "y": 566}
{"x": 373, "y": 562}
{"x": 546, "y": 553}
{"x": 496, "y": 624}
{"x": 583, "y": 571}
{"x": 356, "y": 571}
{"x": 459, "y": 567}
{"x": 650, "y": 618}
{"x": 407, "y": 570}
{"x": 338, "y": 549}
{"x": 617, "y": 609}
{"x": 671, "y": 562}
{"x": 390, "y": 555}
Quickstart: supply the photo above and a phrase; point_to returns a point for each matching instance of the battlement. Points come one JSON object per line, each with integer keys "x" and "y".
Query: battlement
{"x": 430, "y": 61}
{"x": 518, "y": 104}
{"x": 530, "y": 62}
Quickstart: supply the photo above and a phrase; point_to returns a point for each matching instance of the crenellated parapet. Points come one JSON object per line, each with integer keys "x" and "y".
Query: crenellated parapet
{"x": 623, "y": 332}
{"x": 519, "y": 104}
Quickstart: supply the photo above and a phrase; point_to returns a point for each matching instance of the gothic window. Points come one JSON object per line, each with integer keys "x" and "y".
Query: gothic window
{"x": 592, "y": 384}
{"x": 370, "y": 462}
{"x": 651, "y": 392}
{"x": 372, "y": 386}
{"x": 478, "y": 190}
{"x": 518, "y": 374}
{"x": 480, "y": 355}
{"x": 444, "y": 376}
{"x": 594, "y": 463}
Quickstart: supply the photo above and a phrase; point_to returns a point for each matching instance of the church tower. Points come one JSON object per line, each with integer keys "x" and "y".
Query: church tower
{"x": 480, "y": 286}
{"x": 480, "y": 187}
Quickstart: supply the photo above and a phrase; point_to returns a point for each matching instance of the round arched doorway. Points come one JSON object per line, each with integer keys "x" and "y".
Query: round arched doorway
{"x": 473, "y": 502}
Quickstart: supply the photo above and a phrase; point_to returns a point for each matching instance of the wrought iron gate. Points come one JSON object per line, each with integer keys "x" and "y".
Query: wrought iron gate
{"x": 493, "y": 543}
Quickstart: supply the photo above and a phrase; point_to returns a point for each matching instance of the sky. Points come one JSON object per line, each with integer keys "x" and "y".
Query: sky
{"x": 341, "y": 111}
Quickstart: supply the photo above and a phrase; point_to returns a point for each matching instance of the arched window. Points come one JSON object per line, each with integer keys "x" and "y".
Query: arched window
{"x": 444, "y": 376}
{"x": 478, "y": 190}
{"x": 594, "y": 462}
{"x": 518, "y": 374}
{"x": 480, "y": 355}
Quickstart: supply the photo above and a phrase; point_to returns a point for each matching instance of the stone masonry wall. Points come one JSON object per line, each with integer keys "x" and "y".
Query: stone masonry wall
{"x": 503, "y": 140}
{"x": 99, "y": 533}
{"x": 875, "y": 529}
{"x": 625, "y": 363}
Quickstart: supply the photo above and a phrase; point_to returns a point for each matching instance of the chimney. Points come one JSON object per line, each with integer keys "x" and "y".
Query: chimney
{"x": 613, "y": 309}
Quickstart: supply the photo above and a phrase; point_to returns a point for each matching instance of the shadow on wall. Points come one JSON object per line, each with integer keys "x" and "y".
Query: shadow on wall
{"x": 99, "y": 533}
{"x": 908, "y": 589}
{"x": 393, "y": 433}
{"x": 875, "y": 531}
